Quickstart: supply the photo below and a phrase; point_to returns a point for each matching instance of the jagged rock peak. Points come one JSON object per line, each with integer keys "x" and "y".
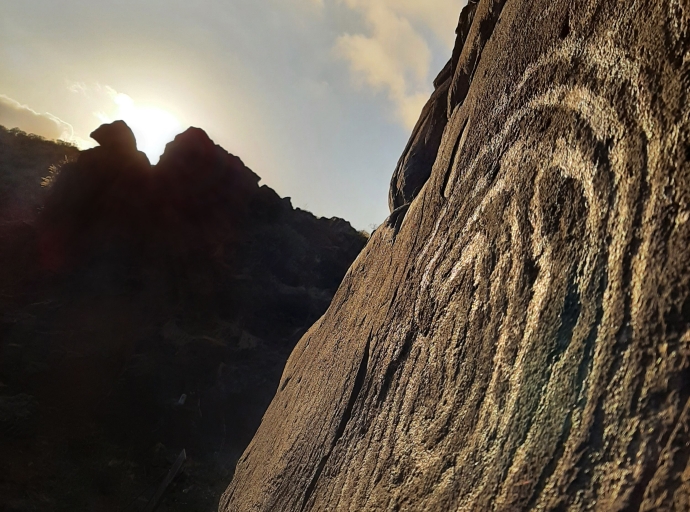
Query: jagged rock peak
{"x": 451, "y": 86}
{"x": 116, "y": 136}
{"x": 193, "y": 143}
{"x": 193, "y": 150}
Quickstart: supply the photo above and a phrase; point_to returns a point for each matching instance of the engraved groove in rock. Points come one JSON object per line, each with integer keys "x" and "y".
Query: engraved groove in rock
{"x": 586, "y": 110}
{"x": 538, "y": 265}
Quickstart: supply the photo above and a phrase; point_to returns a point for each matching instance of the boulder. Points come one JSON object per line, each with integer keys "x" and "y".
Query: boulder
{"x": 116, "y": 136}
{"x": 519, "y": 339}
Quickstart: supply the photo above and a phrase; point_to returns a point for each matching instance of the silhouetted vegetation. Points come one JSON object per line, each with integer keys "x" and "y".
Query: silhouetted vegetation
{"x": 27, "y": 162}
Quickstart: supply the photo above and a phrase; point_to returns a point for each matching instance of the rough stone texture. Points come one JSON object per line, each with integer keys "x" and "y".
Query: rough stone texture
{"x": 519, "y": 337}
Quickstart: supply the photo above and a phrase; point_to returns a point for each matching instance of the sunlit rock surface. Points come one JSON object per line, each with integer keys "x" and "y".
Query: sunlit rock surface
{"x": 517, "y": 338}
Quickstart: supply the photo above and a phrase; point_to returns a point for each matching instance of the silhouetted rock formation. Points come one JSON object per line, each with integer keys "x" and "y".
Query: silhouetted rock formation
{"x": 116, "y": 136}
{"x": 518, "y": 336}
{"x": 149, "y": 309}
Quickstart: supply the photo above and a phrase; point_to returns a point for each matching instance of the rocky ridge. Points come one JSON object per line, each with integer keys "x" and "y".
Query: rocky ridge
{"x": 145, "y": 310}
{"x": 517, "y": 335}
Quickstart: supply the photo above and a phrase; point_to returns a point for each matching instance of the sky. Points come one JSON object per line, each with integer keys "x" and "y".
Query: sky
{"x": 318, "y": 97}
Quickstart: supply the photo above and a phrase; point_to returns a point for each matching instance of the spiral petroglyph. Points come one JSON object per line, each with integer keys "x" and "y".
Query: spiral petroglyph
{"x": 521, "y": 339}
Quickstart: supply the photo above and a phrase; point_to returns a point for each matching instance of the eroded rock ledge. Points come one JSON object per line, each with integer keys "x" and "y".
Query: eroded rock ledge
{"x": 518, "y": 338}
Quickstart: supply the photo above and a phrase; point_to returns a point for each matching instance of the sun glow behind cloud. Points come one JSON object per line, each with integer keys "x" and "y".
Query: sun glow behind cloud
{"x": 317, "y": 96}
{"x": 153, "y": 127}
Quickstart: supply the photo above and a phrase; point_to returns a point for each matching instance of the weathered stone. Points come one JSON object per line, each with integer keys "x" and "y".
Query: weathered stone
{"x": 520, "y": 338}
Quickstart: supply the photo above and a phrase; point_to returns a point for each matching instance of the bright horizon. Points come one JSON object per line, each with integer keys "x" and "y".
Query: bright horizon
{"x": 318, "y": 97}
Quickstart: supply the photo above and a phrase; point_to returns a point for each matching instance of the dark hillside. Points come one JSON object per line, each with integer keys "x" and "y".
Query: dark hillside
{"x": 25, "y": 162}
{"x": 147, "y": 309}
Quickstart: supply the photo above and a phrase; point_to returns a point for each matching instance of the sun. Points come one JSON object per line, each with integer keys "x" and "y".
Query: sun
{"x": 153, "y": 127}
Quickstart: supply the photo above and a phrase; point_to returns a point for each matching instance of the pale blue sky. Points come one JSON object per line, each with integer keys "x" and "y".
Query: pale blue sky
{"x": 316, "y": 96}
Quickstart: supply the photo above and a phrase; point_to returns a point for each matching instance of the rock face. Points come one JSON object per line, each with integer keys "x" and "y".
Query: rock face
{"x": 145, "y": 310}
{"x": 116, "y": 136}
{"x": 518, "y": 337}
{"x": 414, "y": 167}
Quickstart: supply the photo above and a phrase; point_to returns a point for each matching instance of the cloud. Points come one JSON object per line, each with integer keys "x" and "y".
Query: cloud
{"x": 439, "y": 17}
{"x": 395, "y": 54}
{"x": 15, "y": 115}
{"x": 77, "y": 87}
